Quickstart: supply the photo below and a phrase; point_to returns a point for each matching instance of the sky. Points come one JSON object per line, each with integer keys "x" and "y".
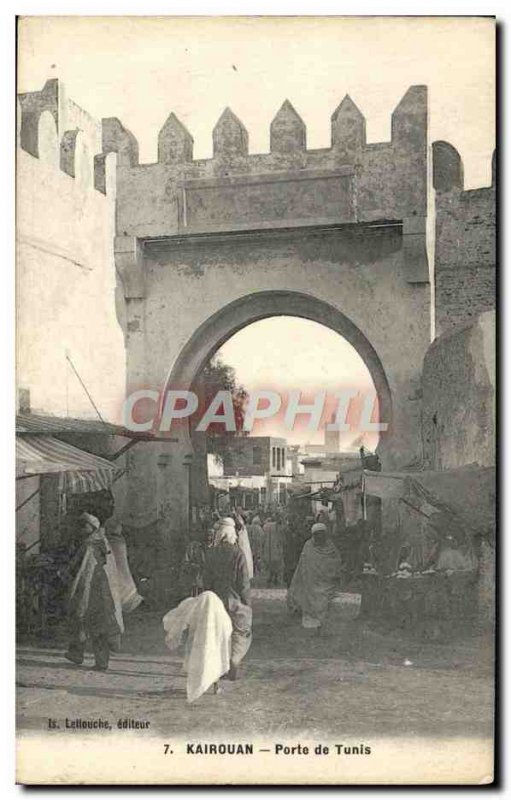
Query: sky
{"x": 309, "y": 358}
{"x": 141, "y": 68}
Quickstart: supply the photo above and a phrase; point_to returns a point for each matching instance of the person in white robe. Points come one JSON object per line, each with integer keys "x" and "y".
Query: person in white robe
{"x": 130, "y": 598}
{"x": 205, "y": 627}
{"x": 244, "y": 544}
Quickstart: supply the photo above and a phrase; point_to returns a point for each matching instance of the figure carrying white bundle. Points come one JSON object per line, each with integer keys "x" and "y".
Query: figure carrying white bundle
{"x": 205, "y": 625}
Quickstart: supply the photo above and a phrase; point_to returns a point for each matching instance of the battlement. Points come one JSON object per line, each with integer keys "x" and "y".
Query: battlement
{"x": 290, "y": 186}
{"x": 55, "y": 130}
{"x": 448, "y": 172}
{"x": 288, "y": 135}
{"x": 52, "y": 127}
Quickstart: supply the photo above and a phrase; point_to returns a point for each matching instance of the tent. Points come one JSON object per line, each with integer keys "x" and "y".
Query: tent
{"x": 467, "y": 493}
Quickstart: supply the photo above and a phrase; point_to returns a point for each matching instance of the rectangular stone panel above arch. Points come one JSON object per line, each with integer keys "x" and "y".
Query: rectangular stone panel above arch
{"x": 267, "y": 201}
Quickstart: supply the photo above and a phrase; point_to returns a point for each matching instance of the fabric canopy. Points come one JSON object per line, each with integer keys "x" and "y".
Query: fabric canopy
{"x": 79, "y": 471}
{"x": 467, "y": 492}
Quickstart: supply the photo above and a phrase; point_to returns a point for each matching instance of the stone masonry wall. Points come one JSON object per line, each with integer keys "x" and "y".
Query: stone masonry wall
{"x": 65, "y": 260}
{"x": 458, "y": 397}
{"x": 458, "y": 421}
{"x": 465, "y": 249}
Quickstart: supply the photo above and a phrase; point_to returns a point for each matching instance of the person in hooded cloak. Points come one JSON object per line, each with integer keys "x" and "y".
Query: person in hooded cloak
{"x": 316, "y": 578}
{"x": 226, "y": 574}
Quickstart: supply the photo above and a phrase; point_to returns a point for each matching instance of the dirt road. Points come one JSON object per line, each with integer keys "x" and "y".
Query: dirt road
{"x": 356, "y": 681}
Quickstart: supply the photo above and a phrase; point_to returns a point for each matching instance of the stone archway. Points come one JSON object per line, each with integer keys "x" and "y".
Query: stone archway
{"x": 173, "y": 489}
{"x": 218, "y": 328}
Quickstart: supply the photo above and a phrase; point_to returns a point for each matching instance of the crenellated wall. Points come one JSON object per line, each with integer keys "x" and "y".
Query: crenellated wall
{"x": 383, "y": 181}
{"x": 65, "y": 260}
{"x": 204, "y": 247}
{"x": 465, "y": 246}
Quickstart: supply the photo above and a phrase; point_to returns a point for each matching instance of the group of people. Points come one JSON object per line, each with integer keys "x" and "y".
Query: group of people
{"x": 263, "y": 540}
{"x": 267, "y": 541}
{"x": 214, "y": 617}
{"x": 235, "y": 551}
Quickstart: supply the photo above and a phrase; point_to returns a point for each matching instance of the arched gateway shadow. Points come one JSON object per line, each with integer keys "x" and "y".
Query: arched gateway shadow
{"x": 218, "y": 328}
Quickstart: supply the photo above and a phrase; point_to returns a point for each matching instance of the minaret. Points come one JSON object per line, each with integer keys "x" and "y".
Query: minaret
{"x": 332, "y": 438}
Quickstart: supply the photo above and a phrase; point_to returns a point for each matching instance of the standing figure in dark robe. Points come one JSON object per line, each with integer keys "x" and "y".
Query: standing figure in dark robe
{"x": 226, "y": 574}
{"x": 95, "y": 611}
{"x": 256, "y": 538}
{"x": 273, "y": 551}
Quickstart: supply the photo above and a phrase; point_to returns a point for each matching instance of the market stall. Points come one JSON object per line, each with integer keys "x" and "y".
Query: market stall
{"x": 427, "y": 575}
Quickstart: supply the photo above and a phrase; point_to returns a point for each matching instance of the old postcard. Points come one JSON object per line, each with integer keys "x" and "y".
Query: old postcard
{"x": 255, "y": 450}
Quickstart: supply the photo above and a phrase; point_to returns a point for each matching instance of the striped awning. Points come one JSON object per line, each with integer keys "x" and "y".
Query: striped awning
{"x": 79, "y": 471}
